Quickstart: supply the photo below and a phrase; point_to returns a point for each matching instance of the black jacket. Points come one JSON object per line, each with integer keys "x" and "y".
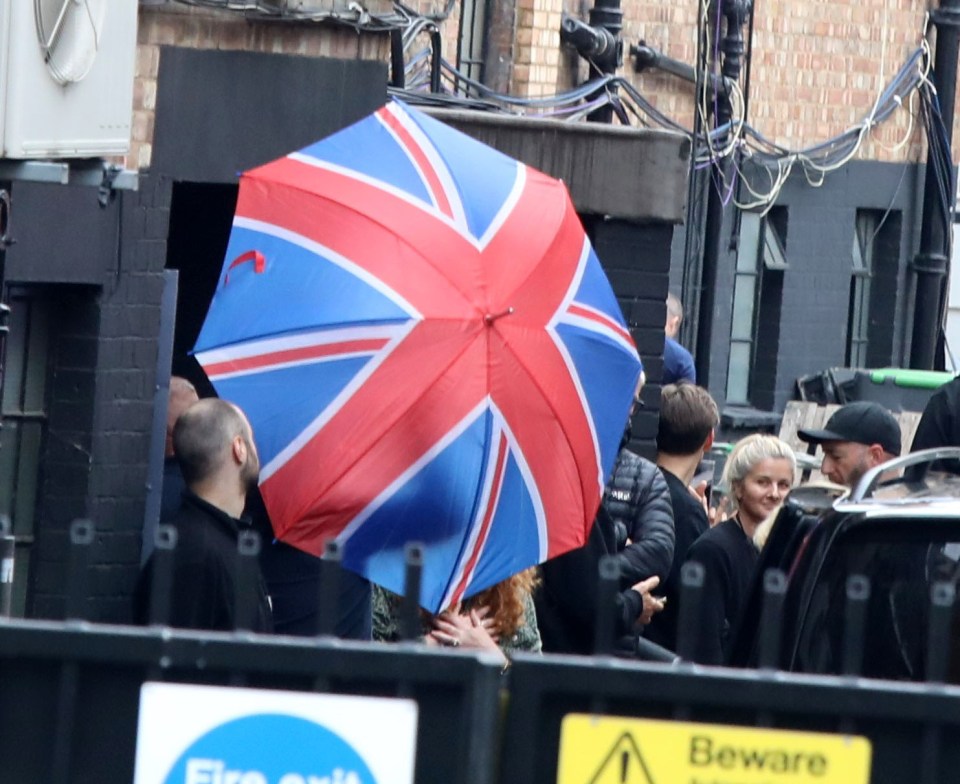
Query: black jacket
{"x": 637, "y": 498}
{"x": 690, "y": 522}
{"x": 293, "y": 580}
{"x": 729, "y": 559}
{"x": 636, "y": 504}
{"x": 566, "y": 600}
{"x": 940, "y": 425}
{"x": 205, "y": 572}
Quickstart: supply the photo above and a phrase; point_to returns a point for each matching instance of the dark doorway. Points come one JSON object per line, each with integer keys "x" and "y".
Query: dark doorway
{"x": 200, "y": 218}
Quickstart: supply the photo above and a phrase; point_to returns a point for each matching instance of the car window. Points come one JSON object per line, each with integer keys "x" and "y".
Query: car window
{"x": 902, "y": 560}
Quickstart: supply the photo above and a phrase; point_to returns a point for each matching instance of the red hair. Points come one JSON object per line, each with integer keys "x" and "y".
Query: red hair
{"x": 506, "y": 601}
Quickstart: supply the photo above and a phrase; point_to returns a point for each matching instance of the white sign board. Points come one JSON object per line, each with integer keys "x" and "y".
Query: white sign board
{"x": 218, "y": 735}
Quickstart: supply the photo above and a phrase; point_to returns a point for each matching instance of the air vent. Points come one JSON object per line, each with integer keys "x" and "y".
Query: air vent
{"x": 66, "y": 77}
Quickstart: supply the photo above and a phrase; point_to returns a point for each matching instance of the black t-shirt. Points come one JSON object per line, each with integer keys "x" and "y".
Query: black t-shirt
{"x": 566, "y": 601}
{"x": 690, "y": 523}
{"x": 729, "y": 559}
{"x": 205, "y": 572}
{"x": 293, "y": 579}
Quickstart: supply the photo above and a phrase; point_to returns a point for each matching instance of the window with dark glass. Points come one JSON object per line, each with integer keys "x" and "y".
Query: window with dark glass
{"x": 24, "y": 413}
{"x": 873, "y": 288}
{"x": 757, "y": 296}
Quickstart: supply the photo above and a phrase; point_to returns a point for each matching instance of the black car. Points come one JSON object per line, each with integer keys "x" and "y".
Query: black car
{"x": 863, "y": 584}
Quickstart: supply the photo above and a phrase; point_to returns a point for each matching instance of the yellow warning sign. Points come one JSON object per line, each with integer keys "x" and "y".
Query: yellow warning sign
{"x": 613, "y": 750}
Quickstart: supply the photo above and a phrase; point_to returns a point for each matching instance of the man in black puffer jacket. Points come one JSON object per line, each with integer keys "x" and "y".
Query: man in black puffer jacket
{"x": 637, "y": 499}
{"x": 635, "y": 521}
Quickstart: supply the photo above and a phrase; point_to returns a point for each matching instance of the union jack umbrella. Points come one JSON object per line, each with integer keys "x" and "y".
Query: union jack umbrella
{"x": 428, "y": 350}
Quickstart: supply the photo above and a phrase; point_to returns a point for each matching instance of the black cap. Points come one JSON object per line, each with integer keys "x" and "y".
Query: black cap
{"x": 863, "y": 422}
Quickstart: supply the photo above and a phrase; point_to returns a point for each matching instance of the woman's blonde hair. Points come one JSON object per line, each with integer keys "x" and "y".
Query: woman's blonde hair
{"x": 747, "y": 453}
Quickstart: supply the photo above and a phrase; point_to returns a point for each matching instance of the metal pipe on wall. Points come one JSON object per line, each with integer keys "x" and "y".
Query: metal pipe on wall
{"x": 932, "y": 263}
{"x": 599, "y": 43}
{"x": 735, "y": 13}
{"x": 7, "y": 550}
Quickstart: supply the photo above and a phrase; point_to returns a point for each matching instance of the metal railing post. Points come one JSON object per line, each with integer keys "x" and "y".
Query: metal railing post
{"x": 855, "y": 626}
{"x": 82, "y": 534}
{"x": 608, "y": 583}
{"x": 248, "y": 552}
{"x": 329, "y": 598}
{"x": 161, "y": 577}
{"x": 410, "y": 628}
{"x": 692, "y": 577}
{"x": 943, "y": 596}
{"x": 771, "y": 618}
{"x": 7, "y": 554}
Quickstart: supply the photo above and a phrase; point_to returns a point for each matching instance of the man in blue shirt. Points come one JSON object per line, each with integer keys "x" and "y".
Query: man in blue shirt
{"x": 677, "y": 361}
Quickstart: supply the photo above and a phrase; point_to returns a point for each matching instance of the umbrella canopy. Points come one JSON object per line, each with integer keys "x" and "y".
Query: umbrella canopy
{"x": 428, "y": 350}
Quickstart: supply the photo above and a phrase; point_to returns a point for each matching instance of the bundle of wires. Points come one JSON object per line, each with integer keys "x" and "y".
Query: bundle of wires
{"x": 939, "y": 157}
{"x": 355, "y": 15}
{"x": 738, "y": 141}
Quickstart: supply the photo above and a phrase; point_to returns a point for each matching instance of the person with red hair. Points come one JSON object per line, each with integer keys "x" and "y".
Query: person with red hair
{"x": 501, "y": 618}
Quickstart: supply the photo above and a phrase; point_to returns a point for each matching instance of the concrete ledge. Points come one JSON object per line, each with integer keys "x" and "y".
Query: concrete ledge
{"x": 631, "y": 173}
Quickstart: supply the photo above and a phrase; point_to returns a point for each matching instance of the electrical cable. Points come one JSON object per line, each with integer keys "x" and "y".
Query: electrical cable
{"x": 737, "y": 140}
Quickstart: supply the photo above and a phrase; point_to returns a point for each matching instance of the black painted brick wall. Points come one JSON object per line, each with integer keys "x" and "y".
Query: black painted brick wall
{"x": 814, "y": 309}
{"x": 67, "y": 461}
{"x": 123, "y": 408}
{"x": 636, "y": 258}
{"x": 101, "y": 409}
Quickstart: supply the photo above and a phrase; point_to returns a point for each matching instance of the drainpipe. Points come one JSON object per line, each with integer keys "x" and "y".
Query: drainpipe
{"x": 646, "y": 57}
{"x": 932, "y": 265}
{"x": 6, "y": 240}
{"x": 7, "y": 541}
{"x": 735, "y": 13}
{"x": 599, "y": 43}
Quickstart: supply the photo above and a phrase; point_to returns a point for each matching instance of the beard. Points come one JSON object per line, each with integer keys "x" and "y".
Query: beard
{"x": 250, "y": 471}
{"x": 863, "y": 465}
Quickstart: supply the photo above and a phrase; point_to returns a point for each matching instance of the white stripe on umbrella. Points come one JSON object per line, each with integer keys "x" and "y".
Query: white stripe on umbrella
{"x": 423, "y": 145}
{"x": 321, "y": 250}
{"x": 259, "y": 356}
{"x": 336, "y": 404}
{"x": 568, "y": 360}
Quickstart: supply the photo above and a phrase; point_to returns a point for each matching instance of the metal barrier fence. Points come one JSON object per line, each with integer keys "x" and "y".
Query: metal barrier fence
{"x": 69, "y": 691}
{"x": 910, "y": 726}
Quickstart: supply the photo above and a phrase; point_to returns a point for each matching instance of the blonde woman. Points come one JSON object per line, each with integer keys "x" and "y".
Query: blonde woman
{"x": 758, "y": 474}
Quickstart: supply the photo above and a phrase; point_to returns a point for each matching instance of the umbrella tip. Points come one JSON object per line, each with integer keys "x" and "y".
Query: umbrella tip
{"x": 491, "y": 317}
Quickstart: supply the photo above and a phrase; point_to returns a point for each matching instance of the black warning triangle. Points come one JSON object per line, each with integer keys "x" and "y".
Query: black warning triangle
{"x": 623, "y": 765}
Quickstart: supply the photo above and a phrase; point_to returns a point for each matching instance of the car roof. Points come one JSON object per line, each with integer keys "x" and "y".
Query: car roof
{"x": 936, "y": 494}
{"x": 814, "y": 514}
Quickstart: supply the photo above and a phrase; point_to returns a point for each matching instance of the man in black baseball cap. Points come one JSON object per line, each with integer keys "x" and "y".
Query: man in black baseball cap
{"x": 856, "y": 438}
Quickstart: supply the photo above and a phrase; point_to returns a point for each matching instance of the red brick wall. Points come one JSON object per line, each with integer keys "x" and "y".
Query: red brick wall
{"x": 816, "y": 64}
